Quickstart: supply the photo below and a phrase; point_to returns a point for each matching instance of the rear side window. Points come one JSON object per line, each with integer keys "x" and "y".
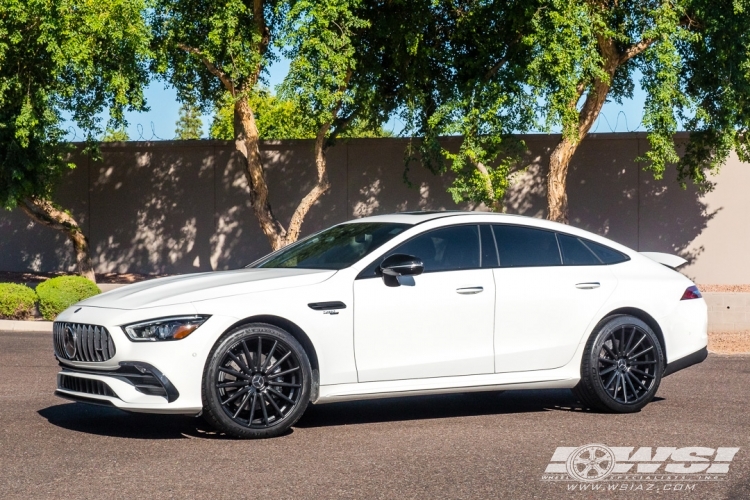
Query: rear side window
{"x": 606, "y": 255}
{"x": 521, "y": 246}
{"x": 575, "y": 252}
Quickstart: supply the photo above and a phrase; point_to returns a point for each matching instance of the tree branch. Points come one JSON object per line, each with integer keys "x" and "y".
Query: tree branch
{"x": 499, "y": 64}
{"x": 634, "y": 50}
{"x": 322, "y": 185}
{"x": 265, "y": 38}
{"x": 45, "y": 212}
{"x": 339, "y": 125}
{"x": 211, "y": 67}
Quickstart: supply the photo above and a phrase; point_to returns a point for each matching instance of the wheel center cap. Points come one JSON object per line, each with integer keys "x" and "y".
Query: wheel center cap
{"x": 258, "y": 381}
{"x": 621, "y": 364}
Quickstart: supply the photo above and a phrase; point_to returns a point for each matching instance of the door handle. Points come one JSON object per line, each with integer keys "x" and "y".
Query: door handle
{"x": 469, "y": 290}
{"x": 588, "y": 285}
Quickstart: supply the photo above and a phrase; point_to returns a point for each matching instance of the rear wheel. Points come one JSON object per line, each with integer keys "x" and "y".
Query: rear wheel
{"x": 257, "y": 382}
{"x": 621, "y": 367}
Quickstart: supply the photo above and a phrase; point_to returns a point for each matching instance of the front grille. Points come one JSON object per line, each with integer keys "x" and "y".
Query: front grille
{"x": 77, "y": 342}
{"x": 84, "y": 385}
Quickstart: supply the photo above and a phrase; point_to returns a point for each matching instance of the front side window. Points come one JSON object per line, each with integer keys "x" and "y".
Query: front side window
{"x": 520, "y": 246}
{"x": 334, "y": 248}
{"x": 446, "y": 249}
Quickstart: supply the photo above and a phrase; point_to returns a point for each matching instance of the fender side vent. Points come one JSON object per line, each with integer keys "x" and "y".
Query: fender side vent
{"x": 326, "y": 306}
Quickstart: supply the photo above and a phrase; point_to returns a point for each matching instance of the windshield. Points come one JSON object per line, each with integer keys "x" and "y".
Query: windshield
{"x": 335, "y": 248}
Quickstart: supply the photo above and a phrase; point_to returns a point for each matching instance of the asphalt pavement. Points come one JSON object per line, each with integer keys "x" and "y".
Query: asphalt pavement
{"x": 480, "y": 445}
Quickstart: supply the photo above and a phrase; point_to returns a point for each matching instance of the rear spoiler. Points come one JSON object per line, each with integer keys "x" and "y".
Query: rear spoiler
{"x": 669, "y": 260}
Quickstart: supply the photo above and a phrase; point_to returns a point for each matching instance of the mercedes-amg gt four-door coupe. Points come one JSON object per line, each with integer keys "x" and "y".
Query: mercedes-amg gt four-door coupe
{"x": 383, "y": 306}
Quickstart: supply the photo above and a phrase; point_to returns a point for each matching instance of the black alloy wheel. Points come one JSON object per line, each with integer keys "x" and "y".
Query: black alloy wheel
{"x": 257, "y": 382}
{"x": 621, "y": 367}
{"x": 627, "y": 361}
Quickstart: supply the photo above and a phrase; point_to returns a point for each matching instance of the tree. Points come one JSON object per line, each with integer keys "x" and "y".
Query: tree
{"x": 189, "y": 123}
{"x": 115, "y": 135}
{"x": 76, "y": 56}
{"x": 216, "y": 52}
{"x": 466, "y": 78}
{"x": 694, "y": 56}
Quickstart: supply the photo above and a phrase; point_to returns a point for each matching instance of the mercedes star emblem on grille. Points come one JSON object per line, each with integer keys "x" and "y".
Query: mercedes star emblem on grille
{"x": 69, "y": 342}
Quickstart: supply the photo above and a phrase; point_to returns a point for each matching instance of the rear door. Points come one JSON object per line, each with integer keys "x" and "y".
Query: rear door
{"x": 543, "y": 306}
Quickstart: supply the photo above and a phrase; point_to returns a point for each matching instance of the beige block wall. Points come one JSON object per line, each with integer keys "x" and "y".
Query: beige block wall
{"x": 728, "y": 312}
{"x": 176, "y": 207}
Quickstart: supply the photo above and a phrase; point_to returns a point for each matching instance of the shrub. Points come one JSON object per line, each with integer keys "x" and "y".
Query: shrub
{"x": 16, "y": 301}
{"x": 57, "y": 294}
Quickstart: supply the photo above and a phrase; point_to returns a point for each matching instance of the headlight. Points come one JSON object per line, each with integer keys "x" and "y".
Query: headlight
{"x": 174, "y": 328}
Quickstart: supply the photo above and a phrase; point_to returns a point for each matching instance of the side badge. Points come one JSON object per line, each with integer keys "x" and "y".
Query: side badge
{"x": 331, "y": 312}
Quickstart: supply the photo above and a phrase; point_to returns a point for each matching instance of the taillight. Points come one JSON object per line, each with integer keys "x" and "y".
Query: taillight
{"x": 692, "y": 292}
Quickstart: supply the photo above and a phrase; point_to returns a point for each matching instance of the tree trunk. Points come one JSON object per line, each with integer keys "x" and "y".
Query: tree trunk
{"x": 45, "y": 212}
{"x": 495, "y": 205}
{"x": 557, "y": 196}
{"x": 321, "y": 186}
{"x": 247, "y": 142}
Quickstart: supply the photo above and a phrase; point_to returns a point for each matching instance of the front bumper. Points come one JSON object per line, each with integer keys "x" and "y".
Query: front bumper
{"x": 149, "y": 377}
{"x": 135, "y": 387}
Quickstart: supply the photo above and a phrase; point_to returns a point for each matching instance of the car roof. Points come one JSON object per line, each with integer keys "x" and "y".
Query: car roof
{"x": 415, "y": 218}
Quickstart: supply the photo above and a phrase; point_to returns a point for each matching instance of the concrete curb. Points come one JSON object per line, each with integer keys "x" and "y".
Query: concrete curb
{"x": 25, "y": 326}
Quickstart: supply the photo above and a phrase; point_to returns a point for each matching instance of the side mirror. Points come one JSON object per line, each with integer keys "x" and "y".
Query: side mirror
{"x": 400, "y": 265}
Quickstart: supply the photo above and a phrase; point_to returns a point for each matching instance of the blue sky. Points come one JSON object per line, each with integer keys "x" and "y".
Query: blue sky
{"x": 159, "y": 122}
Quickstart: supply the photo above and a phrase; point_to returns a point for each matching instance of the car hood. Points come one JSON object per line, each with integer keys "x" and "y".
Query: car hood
{"x": 202, "y": 286}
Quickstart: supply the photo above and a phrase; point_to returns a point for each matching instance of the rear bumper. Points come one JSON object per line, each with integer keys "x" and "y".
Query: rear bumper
{"x": 691, "y": 359}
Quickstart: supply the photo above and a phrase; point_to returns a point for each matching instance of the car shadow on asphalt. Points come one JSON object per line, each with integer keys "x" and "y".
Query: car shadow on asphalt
{"x": 439, "y": 406}
{"x": 105, "y": 421}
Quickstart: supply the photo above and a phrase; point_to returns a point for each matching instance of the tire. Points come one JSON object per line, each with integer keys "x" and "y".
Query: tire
{"x": 621, "y": 367}
{"x": 251, "y": 397}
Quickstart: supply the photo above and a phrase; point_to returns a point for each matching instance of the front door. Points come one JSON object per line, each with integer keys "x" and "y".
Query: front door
{"x": 437, "y": 324}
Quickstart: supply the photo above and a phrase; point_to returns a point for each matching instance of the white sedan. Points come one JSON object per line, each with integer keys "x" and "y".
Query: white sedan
{"x": 384, "y": 306}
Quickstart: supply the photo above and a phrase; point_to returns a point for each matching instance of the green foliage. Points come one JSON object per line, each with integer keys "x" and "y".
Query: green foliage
{"x": 57, "y": 56}
{"x": 458, "y": 69}
{"x": 695, "y": 63}
{"x": 16, "y": 301}
{"x": 488, "y": 69}
{"x": 189, "y": 123}
{"x": 279, "y": 119}
{"x": 275, "y": 118}
{"x": 226, "y": 33}
{"x": 318, "y": 38}
{"x": 115, "y": 135}
{"x": 57, "y": 294}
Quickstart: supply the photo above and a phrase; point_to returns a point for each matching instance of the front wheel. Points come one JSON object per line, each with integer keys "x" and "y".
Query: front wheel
{"x": 256, "y": 383}
{"x": 621, "y": 367}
